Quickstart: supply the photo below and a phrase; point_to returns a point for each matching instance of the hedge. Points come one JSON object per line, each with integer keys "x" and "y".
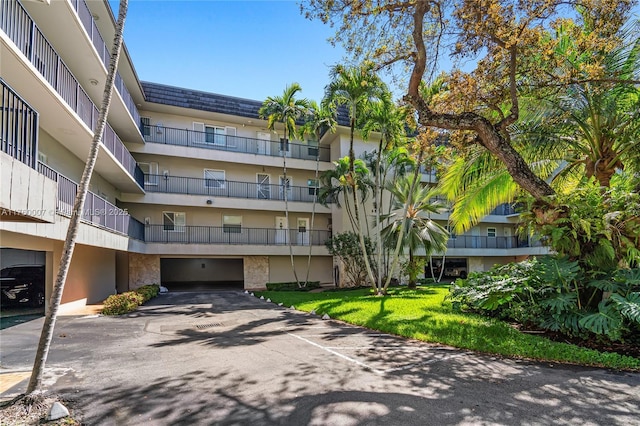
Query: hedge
{"x": 118, "y": 304}
{"x": 292, "y": 286}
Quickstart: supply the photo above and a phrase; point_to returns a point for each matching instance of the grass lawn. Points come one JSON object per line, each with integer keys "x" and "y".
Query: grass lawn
{"x": 424, "y": 315}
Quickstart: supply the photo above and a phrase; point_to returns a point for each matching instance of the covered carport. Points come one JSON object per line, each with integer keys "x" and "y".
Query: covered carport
{"x": 201, "y": 274}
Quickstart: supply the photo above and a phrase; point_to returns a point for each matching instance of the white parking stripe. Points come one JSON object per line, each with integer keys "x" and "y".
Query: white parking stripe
{"x": 331, "y": 351}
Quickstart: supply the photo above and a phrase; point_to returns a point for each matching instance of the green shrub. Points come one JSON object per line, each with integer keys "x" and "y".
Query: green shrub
{"x": 118, "y": 304}
{"x": 554, "y": 293}
{"x": 148, "y": 291}
{"x": 292, "y": 286}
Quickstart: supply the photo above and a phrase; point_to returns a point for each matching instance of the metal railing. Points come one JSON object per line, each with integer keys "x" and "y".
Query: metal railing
{"x": 22, "y": 30}
{"x": 504, "y": 210}
{"x": 97, "y": 210}
{"x": 226, "y": 188}
{"x": 103, "y": 51}
{"x": 18, "y": 127}
{"x": 195, "y": 139}
{"x": 233, "y": 235}
{"x": 483, "y": 242}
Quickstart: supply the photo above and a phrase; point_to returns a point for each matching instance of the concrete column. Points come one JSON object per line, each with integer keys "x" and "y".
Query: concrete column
{"x": 144, "y": 269}
{"x": 256, "y": 272}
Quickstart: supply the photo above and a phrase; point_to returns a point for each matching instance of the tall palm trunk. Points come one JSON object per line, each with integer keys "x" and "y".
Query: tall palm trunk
{"x": 356, "y": 210}
{"x": 377, "y": 197}
{"x": 313, "y": 214}
{"x": 286, "y": 204}
{"x": 74, "y": 223}
{"x": 396, "y": 253}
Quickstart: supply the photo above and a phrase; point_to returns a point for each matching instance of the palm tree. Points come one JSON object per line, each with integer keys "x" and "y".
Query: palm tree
{"x": 590, "y": 130}
{"x": 386, "y": 119}
{"x": 335, "y": 185}
{"x": 285, "y": 109}
{"x": 410, "y": 221}
{"x": 355, "y": 88}
{"x": 321, "y": 119}
{"x": 74, "y": 223}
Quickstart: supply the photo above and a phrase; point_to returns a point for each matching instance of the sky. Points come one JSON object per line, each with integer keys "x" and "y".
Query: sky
{"x": 248, "y": 49}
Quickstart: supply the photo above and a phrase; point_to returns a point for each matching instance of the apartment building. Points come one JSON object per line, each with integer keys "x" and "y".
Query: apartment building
{"x": 188, "y": 187}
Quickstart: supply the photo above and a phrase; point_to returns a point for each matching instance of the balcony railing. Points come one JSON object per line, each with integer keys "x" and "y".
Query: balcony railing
{"x": 103, "y": 51}
{"x": 226, "y": 188}
{"x": 195, "y": 139}
{"x": 97, "y": 210}
{"x": 481, "y": 242}
{"x": 233, "y": 235}
{"x": 18, "y": 127}
{"x": 22, "y": 30}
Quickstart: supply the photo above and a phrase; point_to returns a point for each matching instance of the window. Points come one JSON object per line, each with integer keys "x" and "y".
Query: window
{"x": 150, "y": 171}
{"x": 232, "y": 224}
{"x": 218, "y": 135}
{"x": 174, "y": 221}
{"x": 491, "y": 232}
{"x": 312, "y": 150}
{"x": 214, "y": 178}
{"x": 313, "y": 186}
{"x": 145, "y": 126}
{"x": 284, "y": 145}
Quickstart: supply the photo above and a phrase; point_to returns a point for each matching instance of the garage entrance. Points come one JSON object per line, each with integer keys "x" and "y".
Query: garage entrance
{"x": 22, "y": 282}
{"x": 201, "y": 274}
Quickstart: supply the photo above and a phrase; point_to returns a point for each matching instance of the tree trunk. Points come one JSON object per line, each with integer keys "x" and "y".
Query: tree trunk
{"x": 396, "y": 253}
{"x": 286, "y": 205}
{"x": 489, "y": 135}
{"x": 412, "y": 272}
{"x": 74, "y": 223}
{"x": 356, "y": 210}
{"x": 377, "y": 197}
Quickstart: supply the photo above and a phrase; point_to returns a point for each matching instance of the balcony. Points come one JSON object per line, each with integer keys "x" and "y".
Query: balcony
{"x": 233, "y": 235}
{"x": 97, "y": 211}
{"x": 91, "y": 28}
{"x": 28, "y": 39}
{"x": 18, "y": 127}
{"x": 480, "y": 242}
{"x": 203, "y": 140}
{"x": 226, "y": 188}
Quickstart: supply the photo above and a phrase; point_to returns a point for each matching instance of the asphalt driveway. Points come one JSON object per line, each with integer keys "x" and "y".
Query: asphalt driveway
{"x": 229, "y": 358}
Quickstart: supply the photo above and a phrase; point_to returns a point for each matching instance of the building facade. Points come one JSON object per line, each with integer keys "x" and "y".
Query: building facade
{"x": 188, "y": 187}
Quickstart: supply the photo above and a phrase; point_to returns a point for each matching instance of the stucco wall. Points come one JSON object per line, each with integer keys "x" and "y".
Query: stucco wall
{"x": 321, "y": 269}
{"x": 92, "y": 275}
{"x": 143, "y": 269}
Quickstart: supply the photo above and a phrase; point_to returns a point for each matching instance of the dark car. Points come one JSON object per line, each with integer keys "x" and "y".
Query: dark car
{"x": 22, "y": 285}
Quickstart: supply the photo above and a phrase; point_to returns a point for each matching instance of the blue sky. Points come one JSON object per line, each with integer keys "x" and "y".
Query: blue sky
{"x": 249, "y": 49}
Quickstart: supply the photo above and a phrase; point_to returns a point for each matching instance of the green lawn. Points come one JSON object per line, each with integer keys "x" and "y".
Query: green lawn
{"x": 424, "y": 315}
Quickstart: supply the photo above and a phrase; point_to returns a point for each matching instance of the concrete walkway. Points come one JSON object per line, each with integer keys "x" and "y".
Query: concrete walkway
{"x": 229, "y": 358}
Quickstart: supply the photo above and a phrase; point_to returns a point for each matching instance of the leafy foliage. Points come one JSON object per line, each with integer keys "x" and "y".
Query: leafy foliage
{"x": 346, "y": 246}
{"x": 554, "y": 293}
{"x": 123, "y": 303}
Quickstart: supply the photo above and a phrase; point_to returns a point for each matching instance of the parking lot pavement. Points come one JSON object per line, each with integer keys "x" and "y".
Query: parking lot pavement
{"x": 228, "y": 358}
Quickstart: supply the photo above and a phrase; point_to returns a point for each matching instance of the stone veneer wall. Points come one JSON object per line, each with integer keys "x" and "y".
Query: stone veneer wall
{"x": 475, "y": 264}
{"x": 256, "y": 272}
{"x": 143, "y": 269}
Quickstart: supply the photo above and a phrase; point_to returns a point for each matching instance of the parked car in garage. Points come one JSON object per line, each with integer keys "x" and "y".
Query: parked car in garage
{"x": 22, "y": 285}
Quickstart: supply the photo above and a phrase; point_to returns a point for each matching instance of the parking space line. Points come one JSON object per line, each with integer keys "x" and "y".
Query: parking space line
{"x": 338, "y": 354}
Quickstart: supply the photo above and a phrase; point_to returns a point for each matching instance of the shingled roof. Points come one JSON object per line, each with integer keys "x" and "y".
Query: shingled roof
{"x": 212, "y": 102}
{"x": 204, "y": 101}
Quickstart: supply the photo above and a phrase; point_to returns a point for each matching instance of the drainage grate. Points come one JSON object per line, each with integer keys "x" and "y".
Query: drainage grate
{"x": 205, "y": 326}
